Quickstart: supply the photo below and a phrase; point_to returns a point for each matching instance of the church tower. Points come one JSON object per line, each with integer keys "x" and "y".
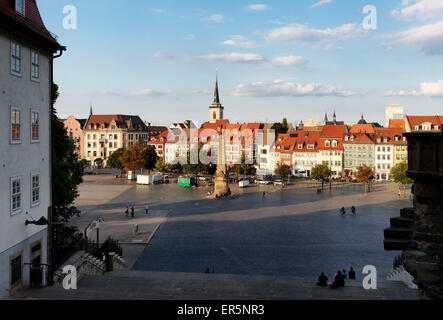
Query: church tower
{"x": 216, "y": 109}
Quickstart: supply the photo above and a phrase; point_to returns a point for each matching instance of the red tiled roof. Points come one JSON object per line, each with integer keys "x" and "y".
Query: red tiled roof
{"x": 418, "y": 120}
{"x": 32, "y": 19}
{"x": 333, "y": 131}
{"x": 362, "y": 128}
{"x": 360, "y": 138}
{"x": 122, "y": 121}
{"x": 396, "y": 124}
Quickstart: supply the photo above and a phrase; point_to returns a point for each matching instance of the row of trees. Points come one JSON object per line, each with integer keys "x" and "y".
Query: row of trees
{"x": 365, "y": 174}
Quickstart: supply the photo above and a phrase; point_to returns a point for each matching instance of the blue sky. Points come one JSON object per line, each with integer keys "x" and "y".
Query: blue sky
{"x": 281, "y": 58}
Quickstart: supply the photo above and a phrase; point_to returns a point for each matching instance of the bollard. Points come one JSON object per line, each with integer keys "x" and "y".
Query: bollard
{"x": 135, "y": 229}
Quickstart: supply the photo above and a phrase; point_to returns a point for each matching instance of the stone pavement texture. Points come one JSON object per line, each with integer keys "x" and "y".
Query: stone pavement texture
{"x": 142, "y": 285}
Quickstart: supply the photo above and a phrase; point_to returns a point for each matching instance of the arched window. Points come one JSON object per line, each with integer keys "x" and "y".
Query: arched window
{"x": 214, "y": 115}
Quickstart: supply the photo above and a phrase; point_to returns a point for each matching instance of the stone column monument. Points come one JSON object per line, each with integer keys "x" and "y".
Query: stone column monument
{"x": 221, "y": 176}
{"x": 419, "y": 230}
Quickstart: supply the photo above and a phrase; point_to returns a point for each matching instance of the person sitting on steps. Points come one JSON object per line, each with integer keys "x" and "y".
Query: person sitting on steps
{"x": 322, "y": 280}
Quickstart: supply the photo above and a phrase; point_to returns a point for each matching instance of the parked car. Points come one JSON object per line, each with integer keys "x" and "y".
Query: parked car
{"x": 278, "y": 183}
{"x": 265, "y": 182}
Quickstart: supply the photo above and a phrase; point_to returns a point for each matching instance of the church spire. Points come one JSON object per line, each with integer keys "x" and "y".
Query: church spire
{"x": 216, "y": 94}
{"x": 90, "y": 110}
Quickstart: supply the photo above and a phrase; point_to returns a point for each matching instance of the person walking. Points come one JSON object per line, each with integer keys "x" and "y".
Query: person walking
{"x": 127, "y": 212}
{"x": 132, "y": 212}
{"x": 147, "y": 208}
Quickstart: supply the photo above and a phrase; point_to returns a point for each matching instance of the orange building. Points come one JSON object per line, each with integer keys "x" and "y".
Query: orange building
{"x": 74, "y": 127}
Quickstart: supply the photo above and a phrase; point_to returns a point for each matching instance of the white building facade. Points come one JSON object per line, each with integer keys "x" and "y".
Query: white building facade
{"x": 25, "y": 121}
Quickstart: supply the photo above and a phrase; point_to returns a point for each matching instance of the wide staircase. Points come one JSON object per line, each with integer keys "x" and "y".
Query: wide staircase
{"x": 149, "y": 285}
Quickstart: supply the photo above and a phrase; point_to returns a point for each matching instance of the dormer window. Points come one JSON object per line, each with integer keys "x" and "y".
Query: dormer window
{"x": 300, "y": 146}
{"x": 346, "y": 138}
{"x": 20, "y": 7}
{"x": 386, "y": 140}
{"x": 396, "y": 138}
{"x": 327, "y": 144}
{"x": 334, "y": 144}
{"x": 417, "y": 128}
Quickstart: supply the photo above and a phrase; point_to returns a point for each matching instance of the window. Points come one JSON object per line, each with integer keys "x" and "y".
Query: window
{"x": 15, "y": 125}
{"x": 35, "y": 66}
{"x": 16, "y": 58}
{"x": 334, "y": 144}
{"x": 20, "y": 7}
{"x": 35, "y": 192}
{"x": 327, "y": 144}
{"x": 35, "y": 135}
{"x": 16, "y": 195}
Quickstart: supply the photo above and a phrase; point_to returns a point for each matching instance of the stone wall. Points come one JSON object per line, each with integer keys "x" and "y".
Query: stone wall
{"x": 419, "y": 230}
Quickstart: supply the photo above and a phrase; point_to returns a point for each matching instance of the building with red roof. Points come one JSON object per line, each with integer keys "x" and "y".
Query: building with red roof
{"x": 423, "y": 123}
{"x": 107, "y": 133}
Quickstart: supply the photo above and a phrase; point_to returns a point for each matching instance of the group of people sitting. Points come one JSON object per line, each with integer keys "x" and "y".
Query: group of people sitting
{"x": 339, "y": 280}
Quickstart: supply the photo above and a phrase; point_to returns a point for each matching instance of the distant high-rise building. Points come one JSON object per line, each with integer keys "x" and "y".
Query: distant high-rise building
{"x": 394, "y": 112}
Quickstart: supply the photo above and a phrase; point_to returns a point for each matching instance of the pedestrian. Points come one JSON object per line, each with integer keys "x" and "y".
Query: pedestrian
{"x": 264, "y": 195}
{"x": 345, "y": 274}
{"x": 351, "y": 274}
{"x": 127, "y": 212}
{"x": 132, "y": 212}
{"x": 339, "y": 281}
{"x": 147, "y": 208}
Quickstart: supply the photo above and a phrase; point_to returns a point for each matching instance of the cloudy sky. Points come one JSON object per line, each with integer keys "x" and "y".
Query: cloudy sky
{"x": 281, "y": 58}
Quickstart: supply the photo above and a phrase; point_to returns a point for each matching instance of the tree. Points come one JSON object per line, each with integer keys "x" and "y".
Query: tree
{"x": 114, "y": 160}
{"x": 195, "y": 168}
{"x": 321, "y": 172}
{"x": 133, "y": 158}
{"x": 281, "y": 127}
{"x": 98, "y": 162}
{"x": 162, "y": 166}
{"x": 67, "y": 170}
{"x": 150, "y": 158}
{"x": 244, "y": 169}
{"x": 398, "y": 174}
{"x": 366, "y": 174}
{"x": 282, "y": 170}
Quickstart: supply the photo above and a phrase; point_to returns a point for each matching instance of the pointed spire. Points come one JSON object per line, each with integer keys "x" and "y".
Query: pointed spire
{"x": 326, "y": 117}
{"x": 216, "y": 94}
{"x": 90, "y": 110}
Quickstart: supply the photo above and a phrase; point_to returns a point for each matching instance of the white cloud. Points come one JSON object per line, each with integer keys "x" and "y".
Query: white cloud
{"x": 318, "y": 37}
{"x": 321, "y": 3}
{"x": 287, "y": 61}
{"x": 234, "y": 57}
{"x": 429, "y": 89}
{"x": 190, "y": 37}
{"x": 157, "y": 11}
{"x": 218, "y": 18}
{"x": 203, "y": 92}
{"x": 149, "y": 93}
{"x": 278, "y": 88}
{"x": 419, "y": 9}
{"x": 430, "y": 36}
{"x": 238, "y": 41}
{"x": 258, "y": 7}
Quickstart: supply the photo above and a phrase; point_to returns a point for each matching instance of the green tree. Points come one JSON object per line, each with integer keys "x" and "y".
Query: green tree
{"x": 398, "y": 174}
{"x": 114, "y": 160}
{"x": 282, "y": 170}
{"x": 163, "y": 166}
{"x": 67, "y": 170}
{"x": 281, "y": 127}
{"x": 366, "y": 174}
{"x": 98, "y": 162}
{"x": 150, "y": 158}
{"x": 321, "y": 172}
{"x": 244, "y": 169}
{"x": 133, "y": 158}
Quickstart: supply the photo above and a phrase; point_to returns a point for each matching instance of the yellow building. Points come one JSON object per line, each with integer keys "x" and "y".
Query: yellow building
{"x": 400, "y": 149}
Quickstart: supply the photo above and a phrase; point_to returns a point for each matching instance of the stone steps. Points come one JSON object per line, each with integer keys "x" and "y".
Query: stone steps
{"x": 147, "y": 285}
